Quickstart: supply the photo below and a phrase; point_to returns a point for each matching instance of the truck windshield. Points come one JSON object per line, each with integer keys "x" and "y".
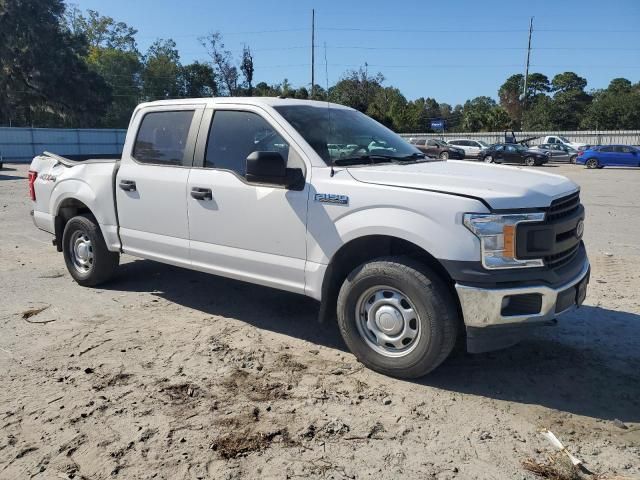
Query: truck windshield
{"x": 347, "y": 137}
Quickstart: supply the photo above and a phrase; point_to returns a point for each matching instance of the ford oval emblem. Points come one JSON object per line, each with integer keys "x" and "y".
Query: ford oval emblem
{"x": 580, "y": 229}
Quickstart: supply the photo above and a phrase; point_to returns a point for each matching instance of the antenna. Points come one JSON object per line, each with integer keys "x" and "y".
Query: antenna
{"x": 313, "y": 50}
{"x": 526, "y": 70}
{"x": 326, "y": 76}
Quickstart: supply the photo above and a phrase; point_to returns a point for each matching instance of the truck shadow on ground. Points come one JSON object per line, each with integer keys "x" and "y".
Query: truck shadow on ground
{"x": 582, "y": 367}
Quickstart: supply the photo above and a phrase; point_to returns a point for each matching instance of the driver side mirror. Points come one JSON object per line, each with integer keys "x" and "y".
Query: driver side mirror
{"x": 271, "y": 168}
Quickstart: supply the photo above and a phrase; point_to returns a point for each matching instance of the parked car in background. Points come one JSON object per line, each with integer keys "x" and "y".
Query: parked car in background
{"x": 514, "y": 153}
{"x": 558, "y": 151}
{"x": 472, "y": 148}
{"x": 610, "y": 156}
{"x": 437, "y": 148}
{"x": 559, "y": 139}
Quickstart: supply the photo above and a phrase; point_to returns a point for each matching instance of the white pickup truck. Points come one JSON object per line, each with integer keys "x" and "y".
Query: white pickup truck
{"x": 406, "y": 251}
{"x": 559, "y": 139}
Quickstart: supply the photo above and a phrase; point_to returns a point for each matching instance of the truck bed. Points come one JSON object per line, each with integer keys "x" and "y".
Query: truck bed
{"x": 73, "y": 160}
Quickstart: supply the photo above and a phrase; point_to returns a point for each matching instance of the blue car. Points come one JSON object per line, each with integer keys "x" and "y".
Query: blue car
{"x": 609, "y": 156}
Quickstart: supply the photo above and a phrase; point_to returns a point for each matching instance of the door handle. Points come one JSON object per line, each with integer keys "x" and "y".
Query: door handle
{"x": 127, "y": 185}
{"x": 201, "y": 193}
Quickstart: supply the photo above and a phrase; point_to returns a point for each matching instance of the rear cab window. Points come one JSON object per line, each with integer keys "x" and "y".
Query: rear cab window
{"x": 163, "y": 138}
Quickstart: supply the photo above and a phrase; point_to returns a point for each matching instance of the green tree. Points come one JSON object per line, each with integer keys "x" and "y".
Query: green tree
{"x": 197, "y": 80}
{"x": 356, "y": 89}
{"x": 121, "y": 70}
{"x": 476, "y": 114}
{"x": 389, "y": 107}
{"x": 510, "y": 94}
{"x": 161, "y": 74}
{"x": 223, "y": 63}
{"x": 102, "y": 32}
{"x": 569, "y": 100}
{"x": 246, "y": 67}
{"x": 613, "y": 108}
{"x": 43, "y": 77}
{"x": 537, "y": 84}
{"x": 114, "y": 55}
{"x": 568, "y": 82}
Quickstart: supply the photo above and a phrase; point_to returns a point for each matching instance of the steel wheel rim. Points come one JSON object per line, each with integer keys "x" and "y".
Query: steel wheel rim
{"x": 81, "y": 251}
{"x": 388, "y": 321}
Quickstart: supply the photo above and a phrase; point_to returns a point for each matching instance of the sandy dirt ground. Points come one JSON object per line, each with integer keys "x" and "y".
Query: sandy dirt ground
{"x": 170, "y": 374}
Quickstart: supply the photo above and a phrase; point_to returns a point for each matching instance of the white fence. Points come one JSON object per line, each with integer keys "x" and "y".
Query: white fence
{"x": 22, "y": 144}
{"x": 590, "y": 137}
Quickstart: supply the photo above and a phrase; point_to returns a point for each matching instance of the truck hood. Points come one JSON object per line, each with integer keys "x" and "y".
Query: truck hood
{"x": 500, "y": 186}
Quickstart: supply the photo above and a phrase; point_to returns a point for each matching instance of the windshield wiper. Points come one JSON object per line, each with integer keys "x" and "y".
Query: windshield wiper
{"x": 363, "y": 159}
{"x": 411, "y": 158}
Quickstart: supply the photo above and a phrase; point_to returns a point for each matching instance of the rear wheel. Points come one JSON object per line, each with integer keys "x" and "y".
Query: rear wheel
{"x": 88, "y": 260}
{"x": 397, "y": 317}
{"x": 444, "y": 155}
{"x": 592, "y": 163}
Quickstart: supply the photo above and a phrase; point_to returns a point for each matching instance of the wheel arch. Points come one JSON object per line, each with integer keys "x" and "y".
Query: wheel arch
{"x": 68, "y": 208}
{"x": 366, "y": 248}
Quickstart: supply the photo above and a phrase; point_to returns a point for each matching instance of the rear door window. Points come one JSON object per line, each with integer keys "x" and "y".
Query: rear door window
{"x": 162, "y": 138}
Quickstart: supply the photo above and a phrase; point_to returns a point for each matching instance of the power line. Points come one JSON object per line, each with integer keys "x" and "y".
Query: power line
{"x": 407, "y": 30}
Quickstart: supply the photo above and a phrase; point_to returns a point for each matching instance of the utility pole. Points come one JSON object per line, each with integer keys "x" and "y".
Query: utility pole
{"x": 526, "y": 70}
{"x": 313, "y": 48}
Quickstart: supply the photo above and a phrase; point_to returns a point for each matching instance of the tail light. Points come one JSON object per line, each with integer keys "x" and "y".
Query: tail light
{"x": 580, "y": 153}
{"x": 32, "y": 179}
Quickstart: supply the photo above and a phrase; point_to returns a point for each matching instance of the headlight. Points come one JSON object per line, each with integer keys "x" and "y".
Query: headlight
{"x": 497, "y": 234}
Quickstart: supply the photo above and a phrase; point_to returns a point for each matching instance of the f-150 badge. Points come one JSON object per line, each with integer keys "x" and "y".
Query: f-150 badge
{"x": 332, "y": 198}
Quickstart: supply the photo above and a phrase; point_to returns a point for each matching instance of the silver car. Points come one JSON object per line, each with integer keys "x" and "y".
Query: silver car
{"x": 559, "y": 152}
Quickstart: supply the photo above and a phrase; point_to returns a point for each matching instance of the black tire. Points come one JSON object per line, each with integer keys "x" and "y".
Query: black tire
{"x": 530, "y": 161}
{"x": 592, "y": 163}
{"x": 436, "y": 315}
{"x": 488, "y": 159}
{"x": 100, "y": 264}
{"x": 444, "y": 156}
{"x": 573, "y": 159}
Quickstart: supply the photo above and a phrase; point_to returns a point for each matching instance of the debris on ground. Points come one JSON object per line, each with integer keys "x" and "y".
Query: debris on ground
{"x": 557, "y": 467}
{"x": 240, "y": 444}
{"x": 559, "y": 446}
{"x": 32, "y": 312}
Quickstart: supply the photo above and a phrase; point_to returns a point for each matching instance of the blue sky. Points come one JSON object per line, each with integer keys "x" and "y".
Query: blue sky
{"x": 451, "y": 50}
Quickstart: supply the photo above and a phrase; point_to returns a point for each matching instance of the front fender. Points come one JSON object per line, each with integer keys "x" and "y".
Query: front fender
{"x": 441, "y": 235}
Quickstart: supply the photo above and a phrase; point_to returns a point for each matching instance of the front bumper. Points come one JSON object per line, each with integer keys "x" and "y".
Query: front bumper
{"x": 491, "y": 326}
{"x": 488, "y": 307}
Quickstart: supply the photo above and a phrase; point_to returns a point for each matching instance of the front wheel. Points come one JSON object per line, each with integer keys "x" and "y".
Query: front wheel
{"x": 488, "y": 159}
{"x": 444, "y": 155}
{"x": 88, "y": 260}
{"x": 592, "y": 163}
{"x": 397, "y": 317}
{"x": 573, "y": 159}
{"x": 530, "y": 161}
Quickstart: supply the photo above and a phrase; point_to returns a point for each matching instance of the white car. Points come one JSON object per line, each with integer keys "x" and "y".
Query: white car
{"x": 406, "y": 251}
{"x": 472, "y": 148}
{"x": 559, "y": 139}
